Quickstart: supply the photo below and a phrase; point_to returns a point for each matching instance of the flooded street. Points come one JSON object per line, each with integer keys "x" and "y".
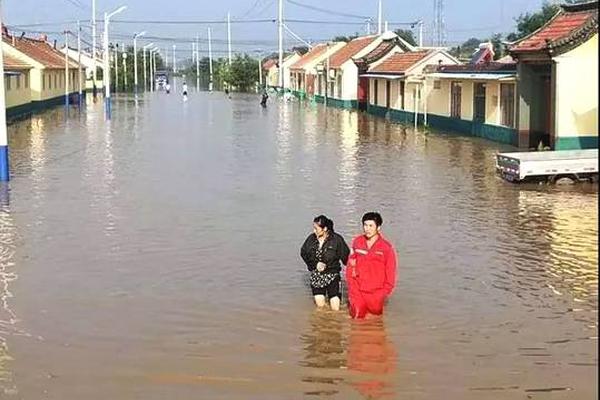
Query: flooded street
{"x": 157, "y": 257}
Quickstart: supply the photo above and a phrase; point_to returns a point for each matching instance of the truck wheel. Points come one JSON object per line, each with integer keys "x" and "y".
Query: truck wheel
{"x": 565, "y": 180}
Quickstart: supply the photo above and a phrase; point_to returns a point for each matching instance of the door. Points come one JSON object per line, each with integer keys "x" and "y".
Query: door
{"x": 388, "y": 93}
{"x": 479, "y": 102}
{"x": 363, "y": 93}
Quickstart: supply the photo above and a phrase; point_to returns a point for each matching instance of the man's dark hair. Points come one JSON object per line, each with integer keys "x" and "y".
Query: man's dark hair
{"x": 324, "y": 222}
{"x": 373, "y": 216}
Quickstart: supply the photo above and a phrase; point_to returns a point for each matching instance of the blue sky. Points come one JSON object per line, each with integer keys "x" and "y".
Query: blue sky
{"x": 464, "y": 18}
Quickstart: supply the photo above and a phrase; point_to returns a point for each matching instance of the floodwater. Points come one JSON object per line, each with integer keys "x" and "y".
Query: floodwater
{"x": 157, "y": 257}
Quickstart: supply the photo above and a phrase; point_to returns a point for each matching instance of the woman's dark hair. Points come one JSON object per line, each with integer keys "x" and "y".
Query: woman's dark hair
{"x": 324, "y": 222}
{"x": 373, "y": 216}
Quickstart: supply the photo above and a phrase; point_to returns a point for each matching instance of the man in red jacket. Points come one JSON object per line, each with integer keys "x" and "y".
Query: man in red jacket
{"x": 371, "y": 272}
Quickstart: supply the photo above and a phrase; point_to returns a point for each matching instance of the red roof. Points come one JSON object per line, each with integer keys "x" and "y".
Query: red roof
{"x": 400, "y": 62}
{"x": 11, "y": 62}
{"x": 349, "y": 50}
{"x": 315, "y": 52}
{"x": 40, "y": 51}
{"x": 567, "y": 21}
{"x": 269, "y": 63}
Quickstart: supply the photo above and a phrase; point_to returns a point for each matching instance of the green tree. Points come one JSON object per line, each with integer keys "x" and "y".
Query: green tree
{"x": 466, "y": 49}
{"x": 407, "y": 35}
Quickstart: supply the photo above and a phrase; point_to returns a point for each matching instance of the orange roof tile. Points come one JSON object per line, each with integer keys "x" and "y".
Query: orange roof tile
{"x": 11, "y": 62}
{"x": 40, "y": 51}
{"x": 349, "y": 50}
{"x": 400, "y": 62}
{"x": 269, "y": 63}
{"x": 569, "y": 20}
{"x": 315, "y": 52}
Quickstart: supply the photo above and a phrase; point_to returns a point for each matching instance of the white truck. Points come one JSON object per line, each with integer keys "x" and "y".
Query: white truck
{"x": 561, "y": 166}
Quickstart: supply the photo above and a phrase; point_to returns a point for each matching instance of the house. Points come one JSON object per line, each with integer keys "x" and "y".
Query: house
{"x": 397, "y": 81}
{"x": 272, "y": 68}
{"x": 16, "y": 85}
{"x": 304, "y": 70}
{"x": 557, "y": 68}
{"x": 478, "y": 99}
{"x": 87, "y": 63}
{"x": 47, "y": 80}
{"x": 344, "y": 85}
{"x": 271, "y": 75}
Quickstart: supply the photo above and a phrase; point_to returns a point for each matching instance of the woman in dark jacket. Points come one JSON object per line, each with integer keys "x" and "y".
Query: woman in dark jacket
{"x": 322, "y": 251}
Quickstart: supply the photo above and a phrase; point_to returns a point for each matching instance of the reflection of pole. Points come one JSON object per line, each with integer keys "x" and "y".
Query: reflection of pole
{"x": 416, "y": 106}
{"x": 94, "y": 42}
{"x": 327, "y": 75}
{"x": 210, "y": 65}
{"x": 174, "y": 60}
{"x": 106, "y": 71}
{"x": 124, "y": 68}
{"x": 4, "y": 175}
{"x": 116, "y": 67}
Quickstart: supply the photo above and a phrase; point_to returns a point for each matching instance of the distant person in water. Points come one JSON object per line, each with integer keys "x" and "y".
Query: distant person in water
{"x": 185, "y": 91}
{"x": 323, "y": 252}
{"x": 168, "y": 88}
{"x": 264, "y": 98}
{"x": 371, "y": 271}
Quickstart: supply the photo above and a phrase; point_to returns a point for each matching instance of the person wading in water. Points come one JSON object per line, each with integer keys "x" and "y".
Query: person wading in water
{"x": 323, "y": 251}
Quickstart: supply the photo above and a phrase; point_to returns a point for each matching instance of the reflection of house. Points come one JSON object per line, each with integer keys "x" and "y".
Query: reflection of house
{"x": 476, "y": 98}
{"x": 16, "y": 85}
{"x": 397, "y": 80}
{"x": 558, "y": 80}
{"x": 47, "y": 78}
{"x": 304, "y": 71}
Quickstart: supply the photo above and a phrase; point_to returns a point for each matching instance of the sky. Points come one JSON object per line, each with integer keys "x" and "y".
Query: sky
{"x": 463, "y": 19}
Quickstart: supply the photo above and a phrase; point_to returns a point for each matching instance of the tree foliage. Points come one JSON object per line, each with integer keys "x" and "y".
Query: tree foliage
{"x": 528, "y": 23}
{"x": 407, "y": 35}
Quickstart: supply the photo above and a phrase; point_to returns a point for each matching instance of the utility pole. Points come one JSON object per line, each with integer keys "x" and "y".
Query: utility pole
{"x": 145, "y": 68}
{"x": 369, "y": 26}
{"x": 94, "y": 44}
{"x": 116, "y": 62}
{"x": 4, "y": 173}
{"x": 80, "y": 95}
{"x": 229, "y": 36}
{"x": 66, "y": 73}
{"x": 124, "y": 69}
{"x": 210, "y": 65}
{"x": 380, "y": 17}
{"x": 174, "y": 61}
{"x": 135, "y": 67}
{"x": 281, "y": 82}
{"x": 421, "y": 33}
{"x": 197, "y": 64}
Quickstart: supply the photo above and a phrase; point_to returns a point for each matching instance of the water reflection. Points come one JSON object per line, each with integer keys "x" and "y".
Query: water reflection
{"x": 324, "y": 352}
{"x": 373, "y": 357}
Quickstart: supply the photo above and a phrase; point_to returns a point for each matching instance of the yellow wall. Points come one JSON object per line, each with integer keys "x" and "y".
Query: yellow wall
{"x": 577, "y": 91}
{"x": 492, "y": 103}
{"x": 17, "y": 96}
{"x": 438, "y": 100}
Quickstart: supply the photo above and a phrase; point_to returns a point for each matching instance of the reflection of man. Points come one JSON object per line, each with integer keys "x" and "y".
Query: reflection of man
{"x": 372, "y": 355}
{"x": 371, "y": 272}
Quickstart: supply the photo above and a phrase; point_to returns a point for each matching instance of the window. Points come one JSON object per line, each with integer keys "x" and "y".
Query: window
{"x": 437, "y": 84}
{"x": 18, "y": 79}
{"x": 55, "y": 81}
{"x": 507, "y": 104}
{"x": 388, "y": 93}
{"x": 479, "y": 102}
{"x": 7, "y": 80}
{"x": 455, "y": 99}
{"x": 339, "y": 86}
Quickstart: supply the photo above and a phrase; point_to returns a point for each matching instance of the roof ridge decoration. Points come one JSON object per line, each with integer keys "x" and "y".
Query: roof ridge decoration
{"x": 574, "y": 39}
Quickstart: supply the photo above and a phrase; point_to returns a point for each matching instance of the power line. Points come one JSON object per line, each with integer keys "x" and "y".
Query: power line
{"x": 329, "y": 12}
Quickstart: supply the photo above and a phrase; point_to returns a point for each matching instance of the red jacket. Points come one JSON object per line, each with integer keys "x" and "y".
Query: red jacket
{"x": 375, "y": 267}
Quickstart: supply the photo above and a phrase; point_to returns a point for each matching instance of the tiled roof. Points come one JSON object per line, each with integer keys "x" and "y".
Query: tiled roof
{"x": 400, "y": 62}
{"x": 40, "y": 51}
{"x": 315, "y": 52}
{"x": 269, "y": 63}
{"x": 349, "y": 50}
{"x": 11, "y": 62}
{"x": 568, "y": 24}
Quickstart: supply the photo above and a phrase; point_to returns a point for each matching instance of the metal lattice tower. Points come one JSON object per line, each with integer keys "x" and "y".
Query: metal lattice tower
{"x": 439, "y": 24}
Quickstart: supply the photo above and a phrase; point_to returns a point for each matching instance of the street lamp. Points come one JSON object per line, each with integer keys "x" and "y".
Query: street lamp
{"x": 106, "y": 65}
{"x": 153, "y": 68}
{"x": 135, "y": 69}
{"x": 145, "y": 75}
